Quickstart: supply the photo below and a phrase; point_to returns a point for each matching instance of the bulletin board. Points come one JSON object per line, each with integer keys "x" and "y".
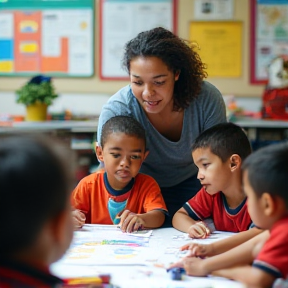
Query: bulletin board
{"x": 220, "y": 45}
{"x": 269, "y": 36}
{"x": 50, "y": 37}
{"x": 122, "y": 20}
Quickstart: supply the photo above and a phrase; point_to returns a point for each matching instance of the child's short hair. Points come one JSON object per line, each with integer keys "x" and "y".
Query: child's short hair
{"x": 122, "y": 124}
{"x": 35, "y": 186}
{"x": 224, "y": 139}
{"x": 268, "y": 170}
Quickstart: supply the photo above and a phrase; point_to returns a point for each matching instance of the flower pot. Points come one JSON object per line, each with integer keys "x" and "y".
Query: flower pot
{"x": 36, "y": 112}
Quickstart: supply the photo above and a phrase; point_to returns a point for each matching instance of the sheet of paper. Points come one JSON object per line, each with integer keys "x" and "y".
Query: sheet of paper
{"x": 133, "y": 261}
{"x": 115, "y": 228}
{"x": 108, "y": 245}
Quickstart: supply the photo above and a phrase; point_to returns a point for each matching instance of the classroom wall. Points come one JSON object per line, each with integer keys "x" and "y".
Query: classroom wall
{"x": 94, "y": 87}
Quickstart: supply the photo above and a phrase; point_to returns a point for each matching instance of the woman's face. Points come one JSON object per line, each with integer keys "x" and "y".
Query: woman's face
{"x": 152, "y": 84}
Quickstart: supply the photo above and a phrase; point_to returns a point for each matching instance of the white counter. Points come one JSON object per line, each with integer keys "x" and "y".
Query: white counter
{"x": 260, "y": 123}
{"x": 45, "y": 126}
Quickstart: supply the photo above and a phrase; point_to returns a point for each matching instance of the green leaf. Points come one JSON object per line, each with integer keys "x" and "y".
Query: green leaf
{"x": 31, "y": 93}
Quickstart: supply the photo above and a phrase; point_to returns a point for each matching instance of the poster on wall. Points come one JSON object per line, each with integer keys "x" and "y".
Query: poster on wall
{"x": 121, "y": 21}
{"x": 41, "y": 37}
{"x": 220, "y": 44}
{"x": 269, "y": 36}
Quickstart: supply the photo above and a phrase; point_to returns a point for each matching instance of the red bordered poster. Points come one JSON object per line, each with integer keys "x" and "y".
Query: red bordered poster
{"x": 269, "y": 36}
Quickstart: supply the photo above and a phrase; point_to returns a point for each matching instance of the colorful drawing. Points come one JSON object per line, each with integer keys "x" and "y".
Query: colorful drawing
{"x": 28, "y": 26}
{"x": 28, "y": 47}
{"x": 105, "y": 244}
{"x": 133, "y": 243}
{"x": 37, "y": 40}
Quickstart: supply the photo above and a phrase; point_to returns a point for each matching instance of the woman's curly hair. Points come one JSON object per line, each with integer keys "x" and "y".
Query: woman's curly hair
{"x": 178, "y": 54}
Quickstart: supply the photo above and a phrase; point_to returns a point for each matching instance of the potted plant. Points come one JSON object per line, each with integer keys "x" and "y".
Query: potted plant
{"x": 36, "y": 95}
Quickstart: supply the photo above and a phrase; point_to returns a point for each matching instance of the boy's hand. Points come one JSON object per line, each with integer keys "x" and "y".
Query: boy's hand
{"x": 197, "y": 250}
{"x": 195, "y": 266}
{"x": 192, "y": 265}
{"x": 131, "y": 222}
{"x": 79, "y": 218}
{"x": 199, "y": 230}
{"x": 179, "y": 263}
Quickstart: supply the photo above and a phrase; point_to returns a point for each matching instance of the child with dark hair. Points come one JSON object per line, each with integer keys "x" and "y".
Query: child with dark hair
{"x": 119, "y": 192}
{"x": 218, "y": 153}
{"x": 35, "y": 211}
{"x": 265, "y": 184}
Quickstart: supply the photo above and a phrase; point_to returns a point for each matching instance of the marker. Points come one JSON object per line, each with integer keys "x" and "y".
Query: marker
{"x": 176, "y": 273}
{"x": 83, "y": 280}
{"x": 100, "y": 279}
{"x": 182, "y": 270}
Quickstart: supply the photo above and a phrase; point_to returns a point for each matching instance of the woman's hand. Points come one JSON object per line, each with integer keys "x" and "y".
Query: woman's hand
{"x": 131, "y": 222}
{"x": 199, "y": 230}
{"x": 79, "y": 218}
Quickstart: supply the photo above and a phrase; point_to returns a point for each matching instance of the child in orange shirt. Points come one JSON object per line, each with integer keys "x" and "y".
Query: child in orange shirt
{"x": 118, "y": 192}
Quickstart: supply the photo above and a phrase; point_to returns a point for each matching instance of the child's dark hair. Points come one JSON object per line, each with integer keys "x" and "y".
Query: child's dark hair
{"x": 34, "y": 187}
{"x": 122, "y": 124}
{"x": 223, "y": 140}
{"x": 178, "y": 54}
{"x": 267, "y": 170}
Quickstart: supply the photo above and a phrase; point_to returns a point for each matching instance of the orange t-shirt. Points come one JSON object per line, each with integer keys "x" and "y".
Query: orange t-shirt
{"x": 91, "y": 197}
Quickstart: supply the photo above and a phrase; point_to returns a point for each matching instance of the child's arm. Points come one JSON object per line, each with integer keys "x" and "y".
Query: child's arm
{"x": 212, "y": 249}
{"x": 240, "y": 255}
{"x": 250, "y": 276}
{"x": 183, "y": 222}
{"x": 132, "y": 222}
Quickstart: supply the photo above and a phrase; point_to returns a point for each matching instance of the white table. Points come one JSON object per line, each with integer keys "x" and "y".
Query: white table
{"x": 136, "y": 271}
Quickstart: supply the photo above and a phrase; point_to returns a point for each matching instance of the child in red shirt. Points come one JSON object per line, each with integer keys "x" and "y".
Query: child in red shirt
{"x": 35, "y": 212}
{"x": 265, "y": 184}
{"x": 218, "y": 153}
{"x": 119, "y": 194}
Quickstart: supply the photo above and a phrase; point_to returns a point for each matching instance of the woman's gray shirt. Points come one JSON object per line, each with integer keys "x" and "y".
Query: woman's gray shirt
{"x": 169, "y": 163}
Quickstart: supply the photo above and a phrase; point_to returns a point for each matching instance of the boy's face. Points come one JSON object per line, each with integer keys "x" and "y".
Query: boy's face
{"x": 122, "y": 156}
{"x": 254, "y": 204}
{"x": 213, "y": 174}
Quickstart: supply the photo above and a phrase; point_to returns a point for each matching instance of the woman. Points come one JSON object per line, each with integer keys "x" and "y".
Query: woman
{"x": 168, "y": 96}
